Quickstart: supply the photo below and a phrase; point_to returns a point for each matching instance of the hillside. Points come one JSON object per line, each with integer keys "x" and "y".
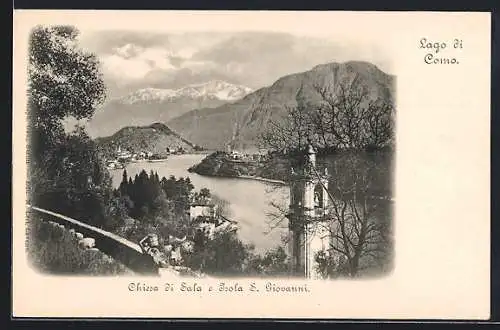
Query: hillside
{"x": 54, "y": 250}
{"x": 155, "y": 138}
{"x": 241, "y": 122}
{"x": 277, "y": 167}
{"x": 149, "y": 105}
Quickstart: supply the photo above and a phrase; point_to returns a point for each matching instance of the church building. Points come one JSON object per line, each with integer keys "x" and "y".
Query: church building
{"x": 307, "y": 218}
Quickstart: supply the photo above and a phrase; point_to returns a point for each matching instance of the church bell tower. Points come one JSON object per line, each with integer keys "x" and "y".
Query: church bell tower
{"x": 308, "y": 227}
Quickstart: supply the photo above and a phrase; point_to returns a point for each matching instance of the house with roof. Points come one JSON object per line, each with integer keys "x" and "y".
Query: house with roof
{"x": 204, "y": 218}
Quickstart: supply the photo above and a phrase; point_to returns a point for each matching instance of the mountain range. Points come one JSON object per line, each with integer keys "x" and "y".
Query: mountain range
{"x": 241, "y": 122}
{"x": 227, "y": 114}
{"x": 149, "y": 105}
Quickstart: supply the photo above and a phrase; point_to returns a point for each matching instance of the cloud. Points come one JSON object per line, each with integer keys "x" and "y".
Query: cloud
{"x": 176, "y": 61}
{"x": 117, "y": 67}
{"x": 128, "y": 50}
{"x": 135, "y": 62}
{"x": 132, "y": 60}
{"x": 157, "y": 57}
{"x": 199, "y": 66}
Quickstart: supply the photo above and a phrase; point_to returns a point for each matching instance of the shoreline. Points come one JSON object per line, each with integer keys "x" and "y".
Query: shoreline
{"x": 245, "y": 177}
{"x": 160, "y": 160}
{"x": 258, "y": 178}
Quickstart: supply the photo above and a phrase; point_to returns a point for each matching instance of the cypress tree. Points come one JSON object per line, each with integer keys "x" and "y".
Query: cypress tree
{"x": 124, "y": 184}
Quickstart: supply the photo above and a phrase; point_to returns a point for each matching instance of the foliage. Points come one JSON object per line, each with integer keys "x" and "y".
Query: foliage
{"x": 64, "y": 81}
{"x": 223, "y": 255}
{"x": 68, "y": 175}
{"x": 155, "y": 138}
{"x": 275, "y": 262}
{"x": 158, "y": 205}
{"x": 54, "y": 250}
{"x": 65, "y": 171}
{"x": 76, "y": 182}
{"x": 149, "y": 195}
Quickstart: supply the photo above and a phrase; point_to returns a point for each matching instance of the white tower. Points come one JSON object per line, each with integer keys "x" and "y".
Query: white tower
{"x": 308, "y": 228}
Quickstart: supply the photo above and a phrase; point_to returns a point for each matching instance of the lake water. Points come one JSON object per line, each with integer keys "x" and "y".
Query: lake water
{"x": 250, "y": 200}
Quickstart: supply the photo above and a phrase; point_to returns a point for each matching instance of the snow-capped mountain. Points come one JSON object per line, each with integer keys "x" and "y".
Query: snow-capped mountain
{"x": 215, "y": 90}
{"x": 149, "y": 105}
{"x": 253, "y": 114}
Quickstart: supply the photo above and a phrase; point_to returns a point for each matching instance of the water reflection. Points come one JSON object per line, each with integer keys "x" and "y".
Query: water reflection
{"x": 250, "y": 200}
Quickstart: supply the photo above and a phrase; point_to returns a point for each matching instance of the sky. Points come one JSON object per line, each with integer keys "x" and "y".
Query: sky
{"x": 171, "y": 49}
{"x": 134, "y": 59}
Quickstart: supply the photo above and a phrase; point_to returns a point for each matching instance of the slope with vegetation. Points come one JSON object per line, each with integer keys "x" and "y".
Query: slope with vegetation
{"x": 160, "y": 205}
{"x": 55, "y": 250}
{"x": 67, "y": 173}
{"x": 156, "y": 138}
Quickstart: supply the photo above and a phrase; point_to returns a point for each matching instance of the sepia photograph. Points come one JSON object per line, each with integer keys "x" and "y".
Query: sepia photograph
{"x": 189, "y": 152}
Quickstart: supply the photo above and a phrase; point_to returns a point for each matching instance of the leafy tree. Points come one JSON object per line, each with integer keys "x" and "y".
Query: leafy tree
{"x": 223, "y": 255}
{"x": 275, "y": 262}
{"x": 117, "y": 210}
{"x": 180, "y": 191}
{"x": 204, "y": 193}
{"x": 78, "y": 184}
{"x": 64, "y": 81}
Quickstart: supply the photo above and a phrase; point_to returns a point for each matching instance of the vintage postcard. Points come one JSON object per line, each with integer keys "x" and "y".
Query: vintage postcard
{"x": 220, "y": 164}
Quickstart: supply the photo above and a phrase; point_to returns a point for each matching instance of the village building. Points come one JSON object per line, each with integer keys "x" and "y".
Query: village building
{"x": 202, "y": 209}
{"x": 203, "y": 216}
{"x": 309, "y": 229}
{"x": 123, "y": 154}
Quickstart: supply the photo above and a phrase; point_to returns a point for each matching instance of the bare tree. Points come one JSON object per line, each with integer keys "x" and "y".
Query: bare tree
{"x": 294, "y": 131}
{"x": 356, "y": 220}
{"x": 379, "y": 124}
{"x": 346, "y": 117}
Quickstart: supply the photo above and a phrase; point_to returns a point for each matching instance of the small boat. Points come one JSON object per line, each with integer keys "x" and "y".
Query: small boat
{"x": 114, "y": 165}
{"x": 156, "y": 160}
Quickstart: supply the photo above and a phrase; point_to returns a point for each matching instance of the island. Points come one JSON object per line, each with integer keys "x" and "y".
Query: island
{"x": 266, "y": 167}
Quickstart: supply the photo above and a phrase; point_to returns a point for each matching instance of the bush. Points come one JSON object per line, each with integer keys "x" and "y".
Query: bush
{"x": 54, "y": 250}
{"x": 223, "y": 255}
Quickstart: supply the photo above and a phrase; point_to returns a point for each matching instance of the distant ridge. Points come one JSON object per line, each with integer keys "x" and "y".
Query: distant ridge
{"x": 149, "y": 105}
{"x": 214, "y": 89}
{"x": 240, "y": 123}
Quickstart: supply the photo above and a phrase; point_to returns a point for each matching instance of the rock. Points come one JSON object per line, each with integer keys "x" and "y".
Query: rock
{"x": 86, "y": 243}
{"x": 93, "y": 249}
{"x": 188, "y": 246}
{"x": 106, "y": 257}
{"x": 79, "y": 235}
{"x": 129, "y": 221}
